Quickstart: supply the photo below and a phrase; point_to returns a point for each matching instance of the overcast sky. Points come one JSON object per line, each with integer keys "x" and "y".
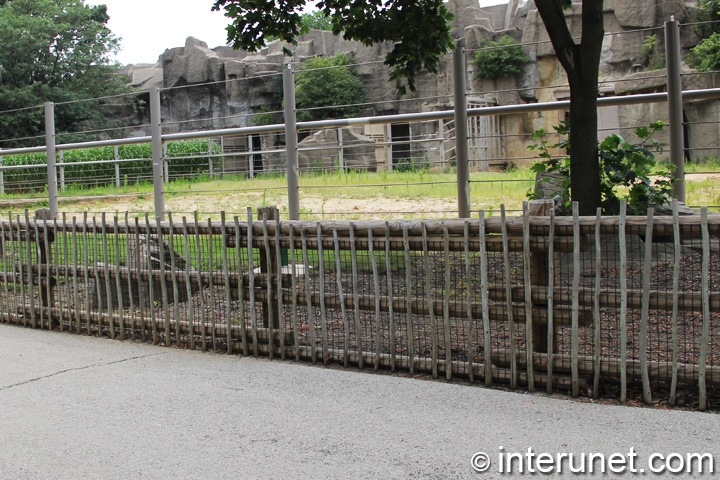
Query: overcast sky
{"x": 149, "y": 27}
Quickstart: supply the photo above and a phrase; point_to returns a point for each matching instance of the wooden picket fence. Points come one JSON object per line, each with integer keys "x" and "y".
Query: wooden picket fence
{"x": 581, "y": 304}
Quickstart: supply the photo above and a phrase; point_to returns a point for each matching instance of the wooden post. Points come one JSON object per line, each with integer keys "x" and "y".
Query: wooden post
{"x": 539, "y": 275}
{"x": 44, "y": 242}
{"x": 269, "y": 265}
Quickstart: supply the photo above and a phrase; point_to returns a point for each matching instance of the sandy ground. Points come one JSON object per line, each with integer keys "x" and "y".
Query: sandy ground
{"x": 312, "y": 207}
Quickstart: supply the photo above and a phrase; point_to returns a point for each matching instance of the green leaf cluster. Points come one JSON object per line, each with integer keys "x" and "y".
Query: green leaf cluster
{"x": 705, "y": 56}
{"x": 186, "y": 158}
{"x": 55, "y": 51}
{"x": 625, "y": 170}
{"x": 656, "y": 60}
{"x": 499, "y": 58}
{"x": 315, "y": 21}
{"x": 326, "y": 87}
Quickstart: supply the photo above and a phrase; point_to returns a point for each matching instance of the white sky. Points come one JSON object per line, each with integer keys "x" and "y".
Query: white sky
{"x": 149, "y": 27}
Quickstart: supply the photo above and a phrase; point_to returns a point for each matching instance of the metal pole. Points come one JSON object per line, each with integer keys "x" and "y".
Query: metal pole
{"x": 389, "y": 147}
{"x": 341, "y": 153}
{"x": 116, "y": 156}
{"x": 675, "y": 106}
{"x": 441, "y": 137}
{"x": 291, "y": 142}
{"x": 211, "y": 166}
{"x": 2, "y": 176}
{"x": 157, "y": 153}
{"x": 61, "y": 164}
{"x": 461, "y": 130}
{"x": 50, "y": 149}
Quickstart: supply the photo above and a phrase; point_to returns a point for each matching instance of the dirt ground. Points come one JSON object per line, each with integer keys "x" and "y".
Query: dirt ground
{"x": 312, "y": 207}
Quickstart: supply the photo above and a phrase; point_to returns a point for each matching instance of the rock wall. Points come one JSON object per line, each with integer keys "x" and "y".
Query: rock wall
{"x": 224, "y": 88}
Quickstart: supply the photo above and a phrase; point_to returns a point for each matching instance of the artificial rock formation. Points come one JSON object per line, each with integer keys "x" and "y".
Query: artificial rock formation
{"x": 228, "y": 87}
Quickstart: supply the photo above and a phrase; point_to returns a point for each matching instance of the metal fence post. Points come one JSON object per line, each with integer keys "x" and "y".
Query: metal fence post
{"x": 50, "y": 149}
{"x": 461, "y": 130}
{"x": 441, "y": 147}
{"x": 61, "y": 165}
{"x": 116, "y": 156}
{"x": 291, "y": 142}
{"x": 2, "y": 175}
{"x": 675, "y": 106}
{"x": 157, "y": 153}
{"x": 211, "y": 166}
{"x": 341, "y": 150}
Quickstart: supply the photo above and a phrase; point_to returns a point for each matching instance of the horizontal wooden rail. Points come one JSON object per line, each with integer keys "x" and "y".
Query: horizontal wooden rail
{"x": 611, "y": 298}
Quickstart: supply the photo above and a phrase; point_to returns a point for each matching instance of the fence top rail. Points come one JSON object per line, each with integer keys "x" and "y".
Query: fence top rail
{"x": 662, "y": 225}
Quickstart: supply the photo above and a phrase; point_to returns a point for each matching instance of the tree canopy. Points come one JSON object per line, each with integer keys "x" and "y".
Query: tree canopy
{"x": 57, "y": 51}
{"x": 327, "y": 82}
{"x": 419, "y": 29}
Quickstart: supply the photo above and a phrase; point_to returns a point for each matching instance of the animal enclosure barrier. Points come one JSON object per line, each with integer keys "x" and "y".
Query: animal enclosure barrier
{"x": 583, "y": 304}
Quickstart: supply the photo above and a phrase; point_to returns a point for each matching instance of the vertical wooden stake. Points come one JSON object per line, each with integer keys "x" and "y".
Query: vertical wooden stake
{"x": 531, "y": 331}
{"x": 675, "y": 295}
{"x": 308, "y": 297}
{"x": 704, "y": 287}
{"x": 574, "y": 348}
{"x": 647, "y": 395}
{"x": 623, "y": 302}
{"x": 487, "y": 341}
{"x": 508, "y": 299}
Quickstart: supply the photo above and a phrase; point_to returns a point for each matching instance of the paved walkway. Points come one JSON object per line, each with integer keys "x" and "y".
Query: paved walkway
{"x": 78, "y": 407}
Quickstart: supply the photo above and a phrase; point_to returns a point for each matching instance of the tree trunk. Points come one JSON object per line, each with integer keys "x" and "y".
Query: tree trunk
{"x": 584, "y": 160}
{"x": 581, "y": 62}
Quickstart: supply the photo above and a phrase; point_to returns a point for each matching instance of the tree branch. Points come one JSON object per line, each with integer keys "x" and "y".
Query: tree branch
{"x": 553, "y": 16}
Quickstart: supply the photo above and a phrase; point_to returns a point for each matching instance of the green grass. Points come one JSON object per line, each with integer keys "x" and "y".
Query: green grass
{"x": 233, "y": 194}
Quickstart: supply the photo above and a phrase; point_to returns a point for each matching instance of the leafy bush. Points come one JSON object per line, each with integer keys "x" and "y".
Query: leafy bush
{"x": 499, "y": 58}
{"x": 186, "y": 158}
{"x": 328, "y": 82}
{"x": 656, "y": 60}
{"x": 625, "y": 170}
{"x": 705, "y": 56}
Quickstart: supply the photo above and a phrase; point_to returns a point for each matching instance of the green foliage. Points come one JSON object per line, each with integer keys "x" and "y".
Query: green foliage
{"x": 328, "y": 82}
{"x": 705, "y": 56}
{"x": 499, "y": 58}
{"x": 708, "y": 15}
{"x": 186, "y": 158}
{"x": 625, "y": 170}
{"x": 266, "y": 116}
{"x": 418, "y": 29}
{"x": 656, "y": 61}
{"x": 315, "y": 21}
{"x": 55, "y": 51}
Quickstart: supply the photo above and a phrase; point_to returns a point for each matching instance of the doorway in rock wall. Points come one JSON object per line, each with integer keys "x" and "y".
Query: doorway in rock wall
{"x": 256, "y": 158}
{"x": 400, "y": 133}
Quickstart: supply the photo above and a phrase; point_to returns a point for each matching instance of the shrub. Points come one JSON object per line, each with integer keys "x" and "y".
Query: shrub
{"x": 499, "y": 58}
{"x": 625, "y": 170}
{"x": 705, "y": 56}
{"x": 328, "y": 82}
{"x": 656, "y": 61}
{"x": 188, "y": 158}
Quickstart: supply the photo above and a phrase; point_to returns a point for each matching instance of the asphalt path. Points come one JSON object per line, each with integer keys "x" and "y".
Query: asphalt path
{"x": 74, "y": 407}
